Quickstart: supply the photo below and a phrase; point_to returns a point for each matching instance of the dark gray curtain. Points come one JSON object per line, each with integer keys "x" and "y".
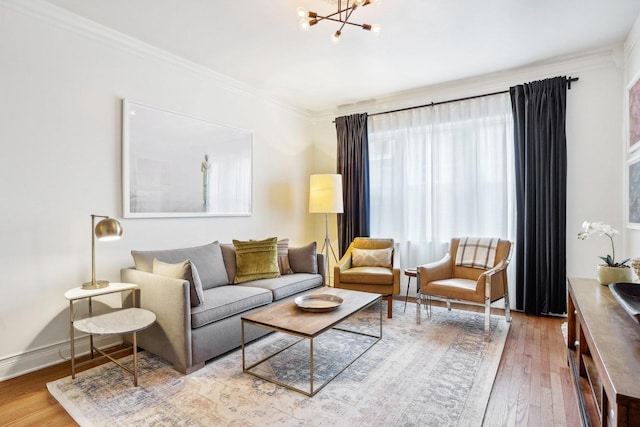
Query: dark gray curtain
{"x": 353, "y": 165}
{"x": 539, "y": 112}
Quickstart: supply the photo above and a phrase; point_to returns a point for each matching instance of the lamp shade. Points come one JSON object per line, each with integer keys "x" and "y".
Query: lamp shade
{"x": 325, "y": 193}
{"x": 108, "y": 229}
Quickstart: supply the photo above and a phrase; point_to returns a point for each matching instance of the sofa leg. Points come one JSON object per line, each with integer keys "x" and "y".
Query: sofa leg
{"x": 190, "y": 369}
{"x": 389, "y": 306}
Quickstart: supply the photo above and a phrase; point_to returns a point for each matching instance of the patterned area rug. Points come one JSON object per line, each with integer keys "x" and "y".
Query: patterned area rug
{"x": 434, "y": 374}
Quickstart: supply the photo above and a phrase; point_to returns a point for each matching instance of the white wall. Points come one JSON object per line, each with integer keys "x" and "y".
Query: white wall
{"x": 594, "y": 120}
{"x": 62, "y": 80}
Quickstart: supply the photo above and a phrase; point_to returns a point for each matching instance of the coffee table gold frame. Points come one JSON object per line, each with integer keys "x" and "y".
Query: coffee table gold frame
{"x": 287, "y": 318}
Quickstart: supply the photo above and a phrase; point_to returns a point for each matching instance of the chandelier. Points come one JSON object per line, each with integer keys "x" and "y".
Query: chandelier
{"x": 342, "y": 16}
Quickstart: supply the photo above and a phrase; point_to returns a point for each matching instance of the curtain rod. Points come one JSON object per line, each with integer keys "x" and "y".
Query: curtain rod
{"x": 433, "y": 104}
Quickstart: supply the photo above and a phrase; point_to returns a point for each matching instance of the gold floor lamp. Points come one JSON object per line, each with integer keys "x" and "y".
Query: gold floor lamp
{"x": 325, "y": 196}
{"x": 106, "y": 229}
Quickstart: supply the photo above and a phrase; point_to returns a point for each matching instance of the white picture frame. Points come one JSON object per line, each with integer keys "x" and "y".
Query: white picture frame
{"x": 633, "y": 192}
{"x": 175, "y": 165}
{"x": 633, "y": 117}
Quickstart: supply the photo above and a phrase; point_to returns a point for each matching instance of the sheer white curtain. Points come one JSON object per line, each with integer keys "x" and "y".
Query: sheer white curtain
{"x": 440, "y": 172}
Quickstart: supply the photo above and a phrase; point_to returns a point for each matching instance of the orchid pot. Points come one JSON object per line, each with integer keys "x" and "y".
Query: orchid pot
{"x": 612, "y": 271}
{"x": 607, "y": 274}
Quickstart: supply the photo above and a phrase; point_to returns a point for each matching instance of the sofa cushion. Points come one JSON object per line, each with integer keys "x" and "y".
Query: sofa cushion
{"x": 256, "y": 259}
{"x": 304, "y": 259}
{"x": 225, "y": 301}
{"x": 287, "y": 285}
{"x": 371, "y": 257}
{"x": 206, "y": 258}
{"x": 186, "y": 271}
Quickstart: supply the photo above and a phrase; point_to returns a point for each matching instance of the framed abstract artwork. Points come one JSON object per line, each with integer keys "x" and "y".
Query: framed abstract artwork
{"x": 634, "y": 113}
{"x": 174, "y": 165}
{"x": 633, "y": 197}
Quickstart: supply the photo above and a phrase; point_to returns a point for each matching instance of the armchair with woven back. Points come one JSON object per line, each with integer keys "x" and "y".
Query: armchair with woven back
{"x": 370, "y": 265}
{"x": 474, "y": 270}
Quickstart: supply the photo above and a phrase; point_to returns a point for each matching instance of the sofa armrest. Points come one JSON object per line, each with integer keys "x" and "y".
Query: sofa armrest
{"x": 169, "y": 300}
{"x": 438, "y": 270}
{"x": 322, "y": 267}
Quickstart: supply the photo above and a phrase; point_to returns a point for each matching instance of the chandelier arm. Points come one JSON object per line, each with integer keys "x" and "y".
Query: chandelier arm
{"x": 346, "y": 19}
{"x": 339, "y": 12}
{"x": 321, "y": 18}
{"x": 347, "y": 11}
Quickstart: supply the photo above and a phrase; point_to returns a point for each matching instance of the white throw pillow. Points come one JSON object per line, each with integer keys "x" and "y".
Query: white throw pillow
{"x": 371, "y": 257}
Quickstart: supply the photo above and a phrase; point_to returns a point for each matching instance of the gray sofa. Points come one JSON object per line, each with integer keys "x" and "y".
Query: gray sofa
{"x": 193, "y": 327}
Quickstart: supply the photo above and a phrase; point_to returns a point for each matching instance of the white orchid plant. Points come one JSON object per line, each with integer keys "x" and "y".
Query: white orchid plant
{"x": 589, "y": 228}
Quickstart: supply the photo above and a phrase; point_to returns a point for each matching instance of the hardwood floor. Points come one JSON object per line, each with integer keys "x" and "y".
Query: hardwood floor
{"x": 533, "y": 387}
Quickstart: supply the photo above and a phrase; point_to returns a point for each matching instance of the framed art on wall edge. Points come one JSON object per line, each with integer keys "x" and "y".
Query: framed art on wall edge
{"x": 633, "y": 192}
{"x": 633, "y": 93}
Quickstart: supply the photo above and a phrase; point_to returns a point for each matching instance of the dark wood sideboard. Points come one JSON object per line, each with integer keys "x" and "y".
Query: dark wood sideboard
{"x": 604, "y": 352}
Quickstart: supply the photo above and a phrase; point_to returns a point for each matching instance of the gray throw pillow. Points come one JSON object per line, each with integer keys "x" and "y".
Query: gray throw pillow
{"x": 208, "y": 258}
{"x": 303, "y": 259}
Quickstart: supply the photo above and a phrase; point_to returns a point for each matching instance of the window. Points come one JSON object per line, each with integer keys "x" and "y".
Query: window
{"x": 440, "y": 172}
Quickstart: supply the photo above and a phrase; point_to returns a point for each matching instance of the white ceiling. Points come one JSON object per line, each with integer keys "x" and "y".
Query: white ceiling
{"x": 423, "y": 42}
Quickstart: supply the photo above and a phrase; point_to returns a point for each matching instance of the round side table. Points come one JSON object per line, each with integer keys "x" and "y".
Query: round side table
{"x": 410, "y": 272}
{"x": 127, "y": 320}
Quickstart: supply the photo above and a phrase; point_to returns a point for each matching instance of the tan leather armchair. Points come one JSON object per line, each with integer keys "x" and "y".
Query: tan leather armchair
{"x": 360, "y": 270}
{"x": 480, "y": 285}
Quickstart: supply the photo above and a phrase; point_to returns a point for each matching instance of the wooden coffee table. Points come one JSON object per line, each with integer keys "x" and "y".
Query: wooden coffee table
{"x": 288, "y": 318}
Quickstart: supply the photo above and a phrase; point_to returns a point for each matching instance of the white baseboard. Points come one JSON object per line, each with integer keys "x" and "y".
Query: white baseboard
{"x": 23, "y": 363}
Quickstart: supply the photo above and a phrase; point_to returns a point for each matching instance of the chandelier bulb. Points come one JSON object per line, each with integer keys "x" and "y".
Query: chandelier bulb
{"x": 302, "y": 12}
{"x": 336, "y": 36}
{"x": 375, "y": 28}
{"x": 304, "y": 24}
{"x": 359, "y": 2}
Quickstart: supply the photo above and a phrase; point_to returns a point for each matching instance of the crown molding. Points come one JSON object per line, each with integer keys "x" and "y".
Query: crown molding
{"x": 633, "y": 38}
{"x": 92, "y": 30}
{"x": 572, "y": 65}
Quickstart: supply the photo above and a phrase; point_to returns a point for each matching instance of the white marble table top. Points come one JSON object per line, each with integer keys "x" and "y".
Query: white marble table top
{"x": 116, "y": 322}
{"x": 79, "y": 293}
